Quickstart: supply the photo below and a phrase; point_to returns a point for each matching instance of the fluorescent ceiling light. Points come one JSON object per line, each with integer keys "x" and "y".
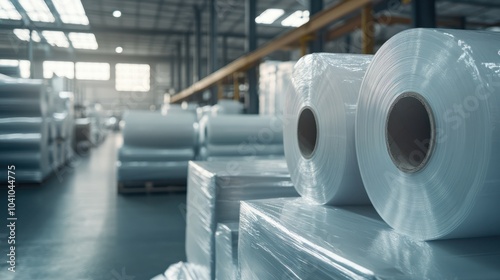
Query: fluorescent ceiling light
{"x": 119, "y": 50}
{"x": 37, "y": 10}
{"x": 24, "y": 35}
{"x": 269, "y": 16}
{"x": 56, "y": 38}
{"x": 83, "y": 41}
{"x": 71, "y": 11}
{"x": 296, "y": 19}
{"x": 117, "y": 14}
{"x": 8, "y": 11}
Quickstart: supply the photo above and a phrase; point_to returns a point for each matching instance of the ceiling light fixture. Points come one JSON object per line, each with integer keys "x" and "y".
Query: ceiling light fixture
{"x": 84, "y": 41}
{"x": 269, "y": 16}
{"x": 117, "y": 14}
{"x": 119, "y": 50}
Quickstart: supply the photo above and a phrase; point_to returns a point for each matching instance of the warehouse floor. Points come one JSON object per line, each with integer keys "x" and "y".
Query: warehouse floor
{"x": 75, "y": 226}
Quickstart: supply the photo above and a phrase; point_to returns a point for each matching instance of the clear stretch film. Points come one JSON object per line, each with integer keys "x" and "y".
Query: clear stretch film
{"x": 428, "y": 133}
{"x": 319, "y": 128}
{"x": 290, "y": 238}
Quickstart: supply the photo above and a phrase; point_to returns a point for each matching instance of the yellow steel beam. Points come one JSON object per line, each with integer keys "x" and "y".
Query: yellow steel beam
{"x": 367, "y": 31}
{"x": 317, "y": 22}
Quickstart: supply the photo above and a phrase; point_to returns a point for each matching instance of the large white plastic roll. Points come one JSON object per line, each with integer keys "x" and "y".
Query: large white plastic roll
{"x": 428, "y": 133}
{"x": 319, "y": 128}
{"x": 154, "y": 130}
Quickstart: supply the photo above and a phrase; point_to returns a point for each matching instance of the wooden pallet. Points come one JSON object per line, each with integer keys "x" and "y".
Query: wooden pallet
{"x": 147, "y": 187}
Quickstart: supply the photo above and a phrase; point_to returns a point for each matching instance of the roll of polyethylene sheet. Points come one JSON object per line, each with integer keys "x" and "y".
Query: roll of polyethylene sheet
{"x": 428, "y": 135}
{"x": 126, "y": 153}
{"x": 21, "y": 141}
{"x": 238, "y": 129}
{"x": 174, "y": 172}
{"x": 22, "y": 125}
{"x": 21, "y": 159}
{"x": 319, "y": 121}
{"x": 154, "y": 130}
{"x": 10, "y": 107}
{"x": 227, "y": 107}
{"x": 241, "y": 150}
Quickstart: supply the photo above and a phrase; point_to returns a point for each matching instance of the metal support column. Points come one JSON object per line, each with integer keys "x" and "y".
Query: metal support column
{"x": 187, "y": 51}
{"x": 251, "y": 45}
{"x": 367, "y": 30}
{"x": 30, "y": 55}
{"x": 224, "y": 51}
{"x": 172, "y": 74}
{"x": 180, "y": 85}
{"x": 423, "y": 13}
{"x": 316, "y": 45}
{"x": 197, "y": 43}
{"x": 212, "y": 45}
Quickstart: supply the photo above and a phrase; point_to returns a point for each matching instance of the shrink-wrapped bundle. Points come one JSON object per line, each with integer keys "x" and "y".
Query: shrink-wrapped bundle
{"x": 319, "y": 128}
{"x": 226, "y": 251}
{"x": 23, "y": 98}
{"x": 214, "y": 192}
{"x": 428, "y": 134}
{"x": 294, "y": 239}
{"x": 241, "y": 135}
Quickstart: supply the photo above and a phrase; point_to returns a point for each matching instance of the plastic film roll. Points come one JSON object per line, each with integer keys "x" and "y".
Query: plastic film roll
{"x": 153, "y": 130}
{"x": 428, "y": 134}
{"x": 235, "y": 129}
{"x": 319, "y": 128}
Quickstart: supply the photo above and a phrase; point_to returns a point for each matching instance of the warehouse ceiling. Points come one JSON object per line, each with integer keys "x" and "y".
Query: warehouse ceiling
{"x": 152, "y": 28}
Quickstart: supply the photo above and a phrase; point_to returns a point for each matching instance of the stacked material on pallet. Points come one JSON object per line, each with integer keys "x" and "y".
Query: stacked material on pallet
{"x": 240, "y": 135}
{"x": 294, "y": 239}
{"x": 25, "y": 123}
{"x": 98, "y": 131}
{"x": 156, "y": 148}
{"x": 275, "y": 81}
{"x": 226, "y": 251}
{"x": 215, "y": 190}
{"x": 63, "y": 117}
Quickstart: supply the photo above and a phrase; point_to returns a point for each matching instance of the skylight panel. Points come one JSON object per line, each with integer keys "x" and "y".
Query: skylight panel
{"x": 83, "y": 41}
{"x": 71, "y": 11}
{"x": 8, "y": 11}
{"x": 269, "y": 16}
{"x": 56, "y": 38}
{"x": 37, "y": 10}
{"x": 24, "y": 35}
{"x": 296, "y": 19}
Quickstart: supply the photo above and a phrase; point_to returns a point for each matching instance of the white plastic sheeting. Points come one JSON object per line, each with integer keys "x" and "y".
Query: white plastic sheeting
{"x": 293, "y": 239}
{"x": 428, "y": 133}
{"x": 214, "y": 192}
{"x": 318, "y": 128}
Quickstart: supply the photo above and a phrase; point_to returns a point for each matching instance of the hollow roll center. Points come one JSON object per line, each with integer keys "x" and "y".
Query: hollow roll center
{"x": 410, "y": 132}
{"x": 307, "y": 132}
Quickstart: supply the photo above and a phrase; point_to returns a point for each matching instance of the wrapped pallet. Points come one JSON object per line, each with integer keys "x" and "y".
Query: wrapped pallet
{"x": 294, "y": 239}
{"x": 215, "y": 190}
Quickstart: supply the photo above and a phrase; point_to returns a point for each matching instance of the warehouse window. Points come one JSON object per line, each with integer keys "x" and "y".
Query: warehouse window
{"x": 132, "y": 77}
{"x": 24, "y": 66}
{"x": 58, "y": 68}
{"x": 92, "y": 71}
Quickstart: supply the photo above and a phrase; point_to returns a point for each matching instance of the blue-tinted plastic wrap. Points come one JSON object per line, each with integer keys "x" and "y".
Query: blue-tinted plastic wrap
{"x": 214, "y": 192}
{"x": 226, "y": 251}
{"x": 293, "y": 239}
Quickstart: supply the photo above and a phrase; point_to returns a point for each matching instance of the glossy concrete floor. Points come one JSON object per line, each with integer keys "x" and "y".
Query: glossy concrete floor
{"x": 76, "y": 226}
